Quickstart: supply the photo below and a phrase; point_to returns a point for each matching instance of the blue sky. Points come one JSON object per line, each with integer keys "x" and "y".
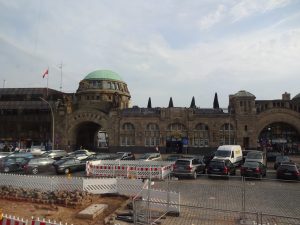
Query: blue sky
{"x": 162, "y": 49}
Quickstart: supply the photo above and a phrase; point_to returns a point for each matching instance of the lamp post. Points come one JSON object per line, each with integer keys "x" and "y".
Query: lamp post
{"x": 52, "y": 120}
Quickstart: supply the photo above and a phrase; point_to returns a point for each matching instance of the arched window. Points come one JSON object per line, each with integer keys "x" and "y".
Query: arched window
{"x": 127, "y": 136}
{"x": 152, "y": 135}
{"x": 227, "y": 134}
{"x": 176, "y": 131}
{"x": 201, "y": 135}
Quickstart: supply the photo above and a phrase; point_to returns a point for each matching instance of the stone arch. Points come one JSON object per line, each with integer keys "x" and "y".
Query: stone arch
{"x": 275, "y": 116}
{"x": 284, "y": 119}
{"x": 94, "y": 119}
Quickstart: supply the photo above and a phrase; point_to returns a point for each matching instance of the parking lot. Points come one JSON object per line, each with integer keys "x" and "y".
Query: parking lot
{"x": 227, "y": 197}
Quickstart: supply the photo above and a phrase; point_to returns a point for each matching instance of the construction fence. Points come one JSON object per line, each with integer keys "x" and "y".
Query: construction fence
{"x": 128, "y": 187}
{"x": 226, "y": 201}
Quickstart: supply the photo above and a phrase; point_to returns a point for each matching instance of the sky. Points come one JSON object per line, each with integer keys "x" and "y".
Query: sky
{"x": 161, "y": 48}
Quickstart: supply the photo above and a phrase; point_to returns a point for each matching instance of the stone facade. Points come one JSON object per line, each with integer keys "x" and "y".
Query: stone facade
{"x": 101, "y": 106}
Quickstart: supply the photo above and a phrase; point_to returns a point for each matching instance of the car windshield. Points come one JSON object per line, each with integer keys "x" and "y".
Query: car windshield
{"x": 254, "y": 155}
{"x": 182, "y": 162}
{"x": 282, "y": 158}
{"x": 223, "y": 153}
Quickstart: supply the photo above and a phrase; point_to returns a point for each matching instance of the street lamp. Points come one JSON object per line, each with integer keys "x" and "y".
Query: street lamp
{"x": 52, "y": 120}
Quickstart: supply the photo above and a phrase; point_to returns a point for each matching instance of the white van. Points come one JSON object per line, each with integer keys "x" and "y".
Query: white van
{"x": 231, "y": 152}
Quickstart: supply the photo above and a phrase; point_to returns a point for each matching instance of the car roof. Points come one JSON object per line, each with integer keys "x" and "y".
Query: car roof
{"x": 219, "y": 160}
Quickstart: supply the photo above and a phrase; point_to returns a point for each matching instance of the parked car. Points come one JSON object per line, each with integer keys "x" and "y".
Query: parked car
{"x": 208, "y": 157}
{"x": 99, "y": 156}
{"x": 37, "y": 165}
{"x": 22, "y": 154}
{"x": 4, "y": 154}
{"x": 288, "y": 170}
{"x": 280, "y": 159}
{"x": 12, "y": 164}
{"x": 222, "y": 167}
{"x": 253, "y": 169}
{"x": 255, "y": 156}
{"x": 271, "y": 156}
{"x": 151, "y": 157}
{"x": 68, "y": 165}
{"x": 245, "y": 152}
{"x": 233, "y": 153}
{"x": 55, "y": 154}
{"x": 173, "y": 158}
{"x": 37, "y": 150}
{"x": 126, "y": 155}
{"x": 80, "y": 154}
{"x": 188, "y": 167}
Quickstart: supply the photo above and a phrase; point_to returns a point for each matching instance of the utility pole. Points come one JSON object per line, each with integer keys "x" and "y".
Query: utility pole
{"x": 52, "y": 114}
{"x": 4, "y": 83}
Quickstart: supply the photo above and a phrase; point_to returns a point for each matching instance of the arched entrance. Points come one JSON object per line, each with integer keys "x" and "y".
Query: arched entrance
{"x": 90, "y": 135}
{"x": 281, "y": 137}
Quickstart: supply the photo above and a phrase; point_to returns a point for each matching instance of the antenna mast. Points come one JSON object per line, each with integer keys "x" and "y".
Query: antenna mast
{"x": 60, "y": 66}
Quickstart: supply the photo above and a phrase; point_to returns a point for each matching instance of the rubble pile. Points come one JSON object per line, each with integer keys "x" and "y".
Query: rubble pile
{"x": 66, "y": 198}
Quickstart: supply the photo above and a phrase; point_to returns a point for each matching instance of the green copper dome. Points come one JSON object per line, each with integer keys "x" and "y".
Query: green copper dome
{"x": 103, "y": 74}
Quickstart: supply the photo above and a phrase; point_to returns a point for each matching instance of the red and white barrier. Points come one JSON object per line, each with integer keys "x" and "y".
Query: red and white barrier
{"x": 44, "y": 222}
{"x": 11, "y": 220}
{"x": 129, "y": 169}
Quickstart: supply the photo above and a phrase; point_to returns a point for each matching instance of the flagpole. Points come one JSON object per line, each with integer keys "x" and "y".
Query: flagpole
{"x": 47, "y": 80}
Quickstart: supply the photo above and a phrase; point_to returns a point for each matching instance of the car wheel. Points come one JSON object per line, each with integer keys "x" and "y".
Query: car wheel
{"x": 67, "y": 171}
{"x": 6, "y": 169}
{"x": 195, "y": 175}
{"x": 35, "y": 171}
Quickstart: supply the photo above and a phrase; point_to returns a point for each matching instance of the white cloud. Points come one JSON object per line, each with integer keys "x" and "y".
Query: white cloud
{"x": 247, "y": 8}
{"x": 212, "y": 18}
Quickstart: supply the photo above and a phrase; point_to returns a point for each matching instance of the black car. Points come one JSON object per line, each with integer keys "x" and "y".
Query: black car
{"x": 68, "y": 165}
{"x": 280, "y": 159}
{"x": 288, "y": 170}
{"x": 220, "y": 167}
{"x": 271, "y": 156}
{"x": 55, "y": 154}
{"x": 12, "y": 164}
{"x": 188, "y": 167}
{"x": 37, "y": 165}
{"x": 253, "y": 169}
{"x": 208, "y": 157}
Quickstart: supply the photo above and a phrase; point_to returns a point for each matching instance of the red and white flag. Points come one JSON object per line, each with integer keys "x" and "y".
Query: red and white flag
{"x": 46, "y": 73}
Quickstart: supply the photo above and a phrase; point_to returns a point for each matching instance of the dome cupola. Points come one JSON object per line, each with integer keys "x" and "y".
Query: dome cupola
{"x": 103, "y": 88}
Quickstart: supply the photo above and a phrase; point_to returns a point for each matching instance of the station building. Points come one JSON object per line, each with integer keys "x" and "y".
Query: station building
{"x": 98, "y": 117}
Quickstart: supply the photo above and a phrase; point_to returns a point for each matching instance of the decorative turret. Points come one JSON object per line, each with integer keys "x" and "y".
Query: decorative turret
{"x": 149, "y": 106}
{"x": 216, "y": 101}
{"x": 193, "y": 105}
{"x": 171, "y": 103}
